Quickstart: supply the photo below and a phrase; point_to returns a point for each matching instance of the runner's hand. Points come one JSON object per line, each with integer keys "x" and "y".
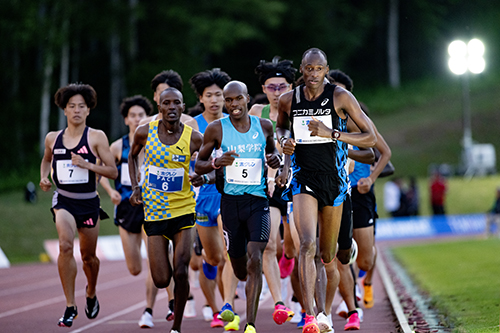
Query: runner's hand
{"x": 116, "y": 197}
{"x": 282, "y": 178}
{"x": 196, "y": 180}
{"x": 136, "y": 197}
{"x": 226, "y": 159}
{"x": 78, "y": 161}
{"x": 45, "y": 184}
{"x": 317, "y": 128}
{"x": 273, "y": 160}
{"x": 364, "y": 185}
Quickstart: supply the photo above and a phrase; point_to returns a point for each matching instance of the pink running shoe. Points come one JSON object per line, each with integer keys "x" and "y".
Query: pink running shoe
{"x": 352, "y": 323}
{"x": 282, "y": 314}
{"x": 311, "y": 325}
{"x": 286, "y": 266}
{"x": 216, "y": 322}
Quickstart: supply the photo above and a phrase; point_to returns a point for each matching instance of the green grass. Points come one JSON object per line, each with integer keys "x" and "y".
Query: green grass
{"x": 462, "y": 279}
{"x": 464, "y": 196}
{"x": 24, "y": 226}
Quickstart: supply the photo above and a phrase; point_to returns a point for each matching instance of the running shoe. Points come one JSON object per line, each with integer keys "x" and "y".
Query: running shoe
{"x": 352, "y": 323}
{"x": 233, "y": 325}
{"x": 360, "y": 314}
{"x": 323, "y": 323}
{"x": 92, "y": 307}
{"x": 174, "y": 331}
{"x": 209, "y": 270}
{"x": 146, "y": 320}
{"x": 310, "y": 325}
{"x": 359, "y": 297}
{"x": 69, "y": 315}
{"x": 216, "y": 322}
{"x": 342, "y": 310}
{"x": 282, "y": 314}
{"x": 250, "y": 329}
{"x": 302, "y": 322}
{"x": 207, "y": 313}
{"x": 190, "y": 309}
{"x": 354, "y": 252}
{"x": 368, "y": 298}
{"x": 226, "y": 313}
{"x": 286, "y": 266}
{"x": 170, "y": 315}
{"x": 297, "y": 314}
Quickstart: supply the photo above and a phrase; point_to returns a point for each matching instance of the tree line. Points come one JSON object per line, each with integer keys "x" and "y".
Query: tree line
{"x": 117, "y": 46}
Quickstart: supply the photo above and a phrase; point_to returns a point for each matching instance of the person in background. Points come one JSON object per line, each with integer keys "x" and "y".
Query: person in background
{"x": 438, "y": 193}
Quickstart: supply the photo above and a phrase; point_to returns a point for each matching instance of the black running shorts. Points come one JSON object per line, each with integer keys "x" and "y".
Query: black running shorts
{"x": 245, "y": 218}
{"x": 168, "y": 228}
{"x": 129, "y": 217}
{"x": 85, "y": 211}
{"x": 363, "y": 206}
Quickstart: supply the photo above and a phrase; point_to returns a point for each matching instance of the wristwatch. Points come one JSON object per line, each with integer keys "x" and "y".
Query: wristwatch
{"x": 335, "y": 134}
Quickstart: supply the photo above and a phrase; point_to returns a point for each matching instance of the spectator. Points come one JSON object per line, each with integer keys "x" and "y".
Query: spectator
{"x": 412, "y": 197}
{"x": 493, "y": 216}
{"x": 438, "y": 192}
{"x": 392, "y": 197}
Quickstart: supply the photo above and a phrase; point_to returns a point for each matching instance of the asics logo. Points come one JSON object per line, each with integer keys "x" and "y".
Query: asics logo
{"x": 324, "y": 102}
{"x": 255, "y": 135}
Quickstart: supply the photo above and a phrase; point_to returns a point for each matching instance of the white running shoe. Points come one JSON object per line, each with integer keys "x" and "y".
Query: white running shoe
{"x": 207, "y": 313}
{"x": 296, "y": 308}
{"x": 342, "y": 310}
{"x": 190, "y": 310}
{"x": 359, "y": 296}
{"x": 323, "y": 323}
{"x": 360, "y": 314}
{"x": 354, "y": 252}
{"x": 146, "y": 320}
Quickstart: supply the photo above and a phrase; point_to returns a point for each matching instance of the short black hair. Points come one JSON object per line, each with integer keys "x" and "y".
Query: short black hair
{"x": 139, "y": 100}
{"x": 338, "y": 76}
{"x": 276, "y": 68}
{"x": 207, "y": 78}
{"x": 316, "y": 51}
{"x": 88, "y": 93}
{"x": 170, "y": 77}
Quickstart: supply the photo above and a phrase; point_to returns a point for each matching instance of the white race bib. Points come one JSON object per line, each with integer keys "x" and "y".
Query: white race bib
{"x": 245, "y": 171}
{"x": 67, "y": 173}
{"x": 165, "y": 180}
{"x": 125, "y": 177}
{"x": 303, "y": 134}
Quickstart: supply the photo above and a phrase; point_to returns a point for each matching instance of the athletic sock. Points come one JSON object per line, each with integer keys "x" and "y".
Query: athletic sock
{"x": 279, "y": 303}
{"x": 149, "y": 310}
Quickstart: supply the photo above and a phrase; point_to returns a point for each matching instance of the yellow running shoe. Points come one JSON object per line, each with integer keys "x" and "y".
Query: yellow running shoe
{"x": 368, "y": 297}
{"x": 250, "y": 329}
{"x": 233, "y": 325}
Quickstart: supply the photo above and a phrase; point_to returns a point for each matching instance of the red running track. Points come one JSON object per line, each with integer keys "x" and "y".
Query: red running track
{"x": 31, "y": 300}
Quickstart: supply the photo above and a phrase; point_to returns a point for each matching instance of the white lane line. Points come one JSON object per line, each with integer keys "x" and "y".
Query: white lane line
{"x": 50, "y": 301}
{"x": 393, "y": 297}
{"x": 30, "y": 287}
{"x": 118, "y": 314}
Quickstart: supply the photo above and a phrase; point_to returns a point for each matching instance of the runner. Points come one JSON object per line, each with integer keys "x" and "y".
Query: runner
{"x": 128, "y": 218}
{"x": 74, "y": 155}
{"x": 318, "y": 113}
{"x": 276, "y": 78}
{"x": 169, "y": 204}
{"x": 247, "y": 144}
{"x": 208, "y": 86}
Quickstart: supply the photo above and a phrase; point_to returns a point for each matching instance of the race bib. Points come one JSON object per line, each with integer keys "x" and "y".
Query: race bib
{"x": 67, "y": 173}
{"x": 303, "y": 134}
{"x": 164, "y": 179}
{"x": 245, "y": 171}
{"x": 125, "y": 177}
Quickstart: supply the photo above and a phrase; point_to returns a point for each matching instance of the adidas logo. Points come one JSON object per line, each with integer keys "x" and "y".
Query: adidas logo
{"x": 89, "y": 222}
{"x": 83, "y": 150}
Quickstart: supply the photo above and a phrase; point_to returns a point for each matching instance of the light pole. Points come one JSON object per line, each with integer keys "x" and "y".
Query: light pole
{"x": 465, "y": 58}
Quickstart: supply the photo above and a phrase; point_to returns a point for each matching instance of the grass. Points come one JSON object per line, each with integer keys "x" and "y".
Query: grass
{"x": 24, "y": 226}
{"x": 462, "y": 279}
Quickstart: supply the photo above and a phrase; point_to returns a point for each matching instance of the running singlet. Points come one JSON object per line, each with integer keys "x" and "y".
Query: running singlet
{"x": 246, "y": 174}
{"x": 167, "y": 191}
{"x": 316, "y": 155}
{"x": 202, "y": 126}
{"x": 266, "y": 110}
{"x": 122, "y": 182}
{"x": 361, "y": 170}
{"x": 72, "y": 181}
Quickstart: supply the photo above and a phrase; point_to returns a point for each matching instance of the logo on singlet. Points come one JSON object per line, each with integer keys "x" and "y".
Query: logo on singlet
{"x": 181, "y": 149}
{"x": 60, "y": 151}
{"x": 83, "y": 150}
{"x": 256, "y": 134}
{"x": 324, "y": 102}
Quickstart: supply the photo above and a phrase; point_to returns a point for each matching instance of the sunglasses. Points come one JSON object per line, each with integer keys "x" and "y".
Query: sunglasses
{"x": 274, "y": 87}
